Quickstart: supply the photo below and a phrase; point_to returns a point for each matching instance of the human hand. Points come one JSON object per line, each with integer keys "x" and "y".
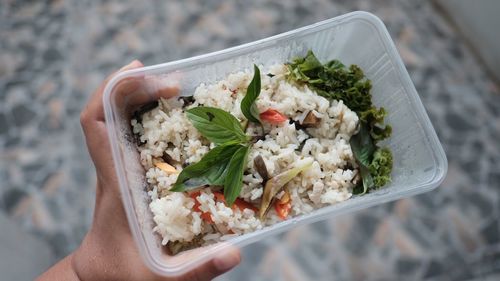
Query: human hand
{"x": 108, "y": 251}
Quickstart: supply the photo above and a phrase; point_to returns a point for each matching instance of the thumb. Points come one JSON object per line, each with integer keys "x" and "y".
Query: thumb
{"x": 215, "y": 267}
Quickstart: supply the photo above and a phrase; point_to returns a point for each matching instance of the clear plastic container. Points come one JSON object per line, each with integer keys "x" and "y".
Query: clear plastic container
{"x": 355, "y": 38}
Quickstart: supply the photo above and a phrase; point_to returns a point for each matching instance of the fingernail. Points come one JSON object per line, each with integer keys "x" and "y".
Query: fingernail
{"x": 226, "y": 262}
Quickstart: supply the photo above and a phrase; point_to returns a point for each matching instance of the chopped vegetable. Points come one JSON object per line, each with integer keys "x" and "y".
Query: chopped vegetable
{"x": 166, "y": 168}
{"x": 285, "y": 198}
{"x": 219, "y": 197}
{"x": 273, "y": 116}
{"x": 166, "y": 157}
{"x": 276, "y": 184}
{"x": 204, "y": 215}
{"x": 311, "y": 120}
{"x": 282, "y": 209}
{"x": 188, "y": 100}
{"x": 239, "y": 203}
{"x": 260, "y": 166}
{"x": 283, "y": 205}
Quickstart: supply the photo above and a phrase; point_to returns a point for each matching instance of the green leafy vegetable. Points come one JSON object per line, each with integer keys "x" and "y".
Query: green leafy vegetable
{"x": 381, "y": 166}
{"x": 362, "y": 147}
{"x": 217, "y": 125}
{"x": 210, "y": 170}
{"x": 248, "y": 107}
{"x": 366, "y": 180}
{"x": 225, "y": 163}
{"x": 373, "y": 118}
{"x": 306, "y": 68}
{"x": 234, "y": 177}
{"x": 334, "y": 80}
{"x": 375, "y": 163}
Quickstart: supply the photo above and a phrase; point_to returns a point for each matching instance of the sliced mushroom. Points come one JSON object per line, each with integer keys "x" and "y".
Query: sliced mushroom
{"x": 188, "y": 100}
{"x": 260, "y": 166}
{"x": 167, "y": 158}
{"x": 275, "y": 185}
{"x": 311, "y": 120}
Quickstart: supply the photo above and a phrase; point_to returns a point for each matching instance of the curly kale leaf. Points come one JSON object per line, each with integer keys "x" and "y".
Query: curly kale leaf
{"x": 381, "y": 167}
{"x": 333, "y": 80}
{"x": 374, "y": 118}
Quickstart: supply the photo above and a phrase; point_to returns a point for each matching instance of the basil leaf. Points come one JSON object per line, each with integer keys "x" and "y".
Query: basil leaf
{"x": 366, "y": 181}
{"x": 366, "y": 177}
{"x": 248, "y": 107}
{"x": 210, "y": 170}
{"x": 234, "y": 176}
{"x": 362, "y": 146}
{"x": 217, "y": 125}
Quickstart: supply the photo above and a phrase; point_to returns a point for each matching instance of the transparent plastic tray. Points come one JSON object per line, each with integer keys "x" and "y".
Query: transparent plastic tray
{"x": 355, "y": 38}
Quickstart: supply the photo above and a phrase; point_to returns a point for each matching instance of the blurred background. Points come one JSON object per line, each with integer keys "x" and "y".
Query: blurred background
{"x": 53, "y": 54}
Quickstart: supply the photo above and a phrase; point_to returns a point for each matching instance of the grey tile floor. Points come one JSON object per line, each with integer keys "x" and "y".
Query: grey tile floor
{"x": 54, "y": 53}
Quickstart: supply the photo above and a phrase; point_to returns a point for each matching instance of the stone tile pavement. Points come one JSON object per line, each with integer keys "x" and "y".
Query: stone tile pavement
{"x": 54, "y": 53}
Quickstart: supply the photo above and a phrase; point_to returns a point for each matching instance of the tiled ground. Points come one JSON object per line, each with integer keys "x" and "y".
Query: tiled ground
{"x": 54, "y": 53}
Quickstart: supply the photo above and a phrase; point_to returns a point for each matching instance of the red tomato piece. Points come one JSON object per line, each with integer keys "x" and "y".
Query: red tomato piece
{"x": 273, "y": 116}
{"x": 204, "y": 215}
{"x": 219, "y": 197}
{"x": 241, "y": 204}
{"x": 283, "y": 209}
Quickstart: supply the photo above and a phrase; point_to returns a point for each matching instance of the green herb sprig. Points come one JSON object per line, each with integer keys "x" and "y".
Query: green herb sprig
{"x": 248, "y": 107}
{"x": 224, "y": 164}
{"x": 217, "y": 125}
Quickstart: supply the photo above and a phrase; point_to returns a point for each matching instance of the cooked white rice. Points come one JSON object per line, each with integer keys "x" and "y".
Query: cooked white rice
{"x": 330, "y": 179}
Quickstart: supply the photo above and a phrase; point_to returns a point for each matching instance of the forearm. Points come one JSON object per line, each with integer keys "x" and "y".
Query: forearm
{"x": 63, "y": 270}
